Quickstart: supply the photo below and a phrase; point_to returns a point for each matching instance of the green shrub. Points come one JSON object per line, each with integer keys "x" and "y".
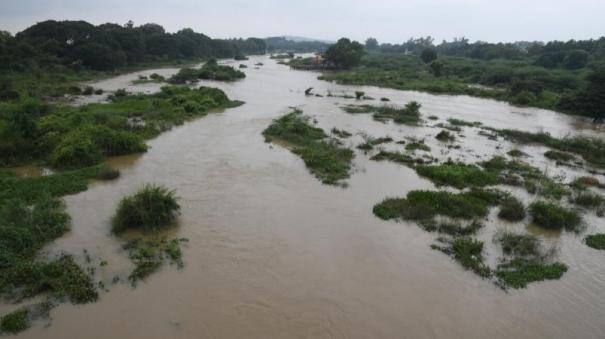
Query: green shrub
{"x": 15, "y": 322}
{"x": 596, "y": 241}
{"x": 588, "y": 200}
{"x": 552, "y": 216}
{"x": 519, "y": 272}
{"x": 76, "y": 153}
{"x": 108, "y": 173}
{"x": 559, "y": 156}
{"x": 523, "y": 245}
{"x": 151, "y": 208}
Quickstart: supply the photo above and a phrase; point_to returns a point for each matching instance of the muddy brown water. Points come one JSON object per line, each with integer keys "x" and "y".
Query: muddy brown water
{"x": 273, "y": 253}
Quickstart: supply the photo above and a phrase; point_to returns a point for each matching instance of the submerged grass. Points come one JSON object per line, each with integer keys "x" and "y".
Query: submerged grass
{"x": 512, "y": 209}
{"x": 329, "y": 162}
{"x": 149, "y": 255}
{"x": 15, "y": 322}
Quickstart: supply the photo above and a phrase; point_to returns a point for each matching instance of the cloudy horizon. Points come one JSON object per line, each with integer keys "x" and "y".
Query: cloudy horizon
{"x": 388, "y": 20}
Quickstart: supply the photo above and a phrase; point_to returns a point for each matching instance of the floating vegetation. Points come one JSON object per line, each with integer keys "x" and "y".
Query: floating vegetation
{"x": 519, "y": 272}
{"x": 15, "y": 322}
{"x": 409, "y": 115}
{"x": 468, "y": 252}
{"x": 398, "y": 158}
{"x": 553, "y": 216}
{"x": 326, "y": 160}
{"x": 149, "y": 255}
{"x": 425, "y": 205}
{"x": 152, "y": 208}
{"x": 458, "y": 175}
{"x": 370, "y": 142}
{"x": 596, "y": 241}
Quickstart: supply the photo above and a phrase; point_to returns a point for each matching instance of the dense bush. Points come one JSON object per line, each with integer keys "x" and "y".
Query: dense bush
{"x": 151, "y": 208}
{"x": 552, "y": 216}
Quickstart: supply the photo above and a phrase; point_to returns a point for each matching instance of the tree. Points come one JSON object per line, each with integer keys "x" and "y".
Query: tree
{"x": 437, "y": 67}
{"x": 428, "y": 55}
{"x": 344, "y": 54}
{"x": 576, "y": 59}
{"x": 371, "y": 44}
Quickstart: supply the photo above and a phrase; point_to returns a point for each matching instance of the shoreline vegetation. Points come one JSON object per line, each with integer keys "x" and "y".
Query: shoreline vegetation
{"x": 37, "y": 126}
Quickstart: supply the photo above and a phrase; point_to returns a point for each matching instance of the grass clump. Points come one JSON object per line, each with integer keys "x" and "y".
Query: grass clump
{"x": 445, "y": 136}
{"x": 518, "y": 273}
{"x": 458, "y": 175}
{"x": 417, "y": 145}
{"x": 525, "y": 261}
{"x": 153, "y": 207}
{"x": 596, "y": 241}
{"x": 397, "y": 157}
{"x": 588, "y": 200}
{"x": 370, "y": 142}
{"x": 469, "y": 253}
{"x": 15, "y": 322}
{"x": 559, "y": 156}
{"x": 326, "y": 160}
{"x": 149, "y": 255}
{"x": 408, "y": 115}
{"x": 425, "y": 205}
{"x": 108, "y": 173}
{"x": 512, "y": 209}
{"x": 553, "y": 216}
{"x": 341, "y": 133}
{"x": 459, "y": 122}
{"x": 515, "y": 153}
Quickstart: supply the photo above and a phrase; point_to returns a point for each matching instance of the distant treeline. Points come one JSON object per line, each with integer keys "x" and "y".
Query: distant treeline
{"x": 283, "y": 44}
{"x": 79, "y": 44}
{"x": 573, "y": 54}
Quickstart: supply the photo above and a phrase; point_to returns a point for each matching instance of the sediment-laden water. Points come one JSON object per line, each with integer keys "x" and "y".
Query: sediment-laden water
{"x": 273, "y": 253}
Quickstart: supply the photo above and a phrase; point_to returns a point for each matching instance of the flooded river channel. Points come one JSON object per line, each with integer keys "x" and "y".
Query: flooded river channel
{"x": 273, "y": 253}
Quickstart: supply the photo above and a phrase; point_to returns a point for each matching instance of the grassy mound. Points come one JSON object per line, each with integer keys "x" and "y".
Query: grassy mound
{"x": 152, "y": 207}
{"x": 553, "y": 216}
{"x": 329, "y": 162}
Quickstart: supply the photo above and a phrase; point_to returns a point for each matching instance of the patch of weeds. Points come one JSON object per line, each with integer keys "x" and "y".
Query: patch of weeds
{"x": 584, "y": 182}
{"x": 588, "y": 200}
{"x": 515, "y": 153}
{"x": 397, "y": 157}
{"x": 451, "y": 227}
{"x": 341, "y": 133}
{"x": 417, "y": 145}
{"x": 512, "y": 209}
{"x": 559, "y": 156}
{"x": 553, "y": 216}
{"x": 519, "y": 272}
{"x": 409, "y": 115}
{"x": 459, "y": 122}
{"x": 458, "y": 175}
{"x": 370, "y": 142}
{"x": 469, "y": 253}
{"x": 514, "y": 244}
{"x": 153, "y": 207}
{"x": 15, "y": 322}
{"x": 449, "y": 127}
{"x": 596, "y": 241}
{"x": 326, "y": 160}
{"x": 424, "y": 205}
{"x": 149, "y": 255}
{"x": 445, "y": 136}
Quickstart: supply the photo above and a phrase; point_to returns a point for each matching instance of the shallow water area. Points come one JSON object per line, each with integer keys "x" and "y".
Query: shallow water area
{"x": 273, "y": 253}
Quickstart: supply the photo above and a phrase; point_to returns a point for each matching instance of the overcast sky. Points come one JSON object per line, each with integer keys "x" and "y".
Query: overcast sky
{"x": 387, "y": 20}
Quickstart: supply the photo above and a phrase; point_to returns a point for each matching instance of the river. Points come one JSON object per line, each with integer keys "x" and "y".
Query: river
{"x": 273, "y": 253}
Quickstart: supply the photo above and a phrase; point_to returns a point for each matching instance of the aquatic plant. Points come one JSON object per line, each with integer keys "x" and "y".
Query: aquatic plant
{"x": 151, "y": 208}
{"x": 14, "y": 322}
{"x": 148, "y": 255}
{"x": 553, "y": 216}
{"x": 596, "y": 241}
{"x": 458, "y": 175}
{"x": 329, "y": 162}
{"x": 512, "y": 209}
